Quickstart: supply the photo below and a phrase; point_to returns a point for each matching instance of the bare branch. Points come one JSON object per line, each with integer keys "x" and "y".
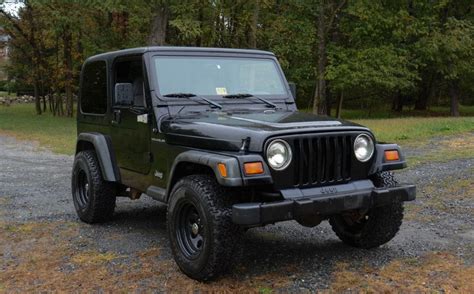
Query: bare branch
{"x": 14, "y": 22}
{"x": 333, "y": 15}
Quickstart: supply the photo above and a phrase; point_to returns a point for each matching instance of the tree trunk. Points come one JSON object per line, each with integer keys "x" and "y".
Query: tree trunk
{"x": 339, "y": 105}
{"x": 397, "y": 104}
{"x": 36, "y": 61}
{"x": 59, "y": 105}
{"x": 159, "y": 24}
{"x": 424, "y": 95}
{"x": 201, "y": 21}
{"x": 55, "y": 104}
{"x": 421, "y": 102}
{"x": 328, "y": 100}
{"x": 79, "y": 47}
{"x": 319, "y": 99}
{"x": 50, "y": 102}
{"x": 37, "y": 97}
{"x": 67, "y": 43}
{"x": 254, "y": 25}
{"x": 400, "y": 101}
{"x": 454, "y": 94}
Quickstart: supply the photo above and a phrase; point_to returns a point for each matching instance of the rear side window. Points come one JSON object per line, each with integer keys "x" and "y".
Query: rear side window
{"x": 94, "y": 88}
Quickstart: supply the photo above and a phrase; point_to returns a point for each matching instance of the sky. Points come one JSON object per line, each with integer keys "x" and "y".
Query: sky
{"x": 11, "y": 6}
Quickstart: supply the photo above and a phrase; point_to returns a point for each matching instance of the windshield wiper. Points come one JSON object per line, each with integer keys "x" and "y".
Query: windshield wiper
{"x": 245, "y": 95}
{"x": 190, "y": 95}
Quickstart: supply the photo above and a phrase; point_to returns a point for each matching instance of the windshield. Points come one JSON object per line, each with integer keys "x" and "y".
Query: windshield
{"x": 209, "y": 76}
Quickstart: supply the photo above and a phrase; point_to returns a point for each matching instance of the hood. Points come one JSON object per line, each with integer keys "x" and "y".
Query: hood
{"x": 229, "y": 130}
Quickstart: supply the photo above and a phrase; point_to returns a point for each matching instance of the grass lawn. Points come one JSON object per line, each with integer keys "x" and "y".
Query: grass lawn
{"x": 59, "y": 133}
{"x": 55, "y": 133}
{"x": 412, "y": 130}
{"x": 385, "y": 112}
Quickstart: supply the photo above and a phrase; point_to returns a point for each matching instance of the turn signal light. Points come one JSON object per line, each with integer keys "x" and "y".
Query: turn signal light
{"x": 253, "y": 168}
{"x": 222, "y": 170}
{"x": 391, "y": 155}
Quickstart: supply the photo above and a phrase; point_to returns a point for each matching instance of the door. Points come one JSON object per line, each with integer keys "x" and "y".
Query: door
{"x": 130, "y": 129}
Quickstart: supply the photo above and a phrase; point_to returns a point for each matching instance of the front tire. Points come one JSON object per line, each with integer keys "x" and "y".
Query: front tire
{"x": 200, "y": 228}
{"x": 94, "y": 198}
{"x": 372, "y": 228}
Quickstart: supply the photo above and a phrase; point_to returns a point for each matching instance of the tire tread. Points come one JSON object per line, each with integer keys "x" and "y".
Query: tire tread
{"x": 384, "y": 222}
{"x": 102, "y": 198}
{"x": 226, "y": 234}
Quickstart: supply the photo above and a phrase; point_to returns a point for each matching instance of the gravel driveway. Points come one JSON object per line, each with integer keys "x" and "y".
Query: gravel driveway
{"x": 44, "y": 246}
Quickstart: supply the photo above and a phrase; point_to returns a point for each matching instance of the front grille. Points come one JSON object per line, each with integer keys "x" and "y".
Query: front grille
{"x": 322, "y": 160}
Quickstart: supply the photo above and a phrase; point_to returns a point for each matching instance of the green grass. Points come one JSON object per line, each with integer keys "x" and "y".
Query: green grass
{"x": 385, "y": 112}
{"x": 59, "y": 133}
{"x": 433, "y": 111}
{"x": 55, "y": 133}
{"x": 4, "y": 94}
{"x": 265, "y": 290}
{"x": 413, "y": 130}
{"x": 419, "y": 134}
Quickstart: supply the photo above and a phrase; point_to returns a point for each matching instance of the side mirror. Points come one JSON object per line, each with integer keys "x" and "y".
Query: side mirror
{"x": 292, "y": 89}
{"x": 124, "y": 93}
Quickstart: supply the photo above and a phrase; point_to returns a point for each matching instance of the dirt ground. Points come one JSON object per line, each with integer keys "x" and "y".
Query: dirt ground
{"x": 43, "y": 245}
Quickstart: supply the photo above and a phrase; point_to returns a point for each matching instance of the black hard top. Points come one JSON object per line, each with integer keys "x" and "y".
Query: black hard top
{"x": 141, "y": 50}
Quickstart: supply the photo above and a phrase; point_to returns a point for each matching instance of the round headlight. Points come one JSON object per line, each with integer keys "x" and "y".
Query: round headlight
{"x": 279, "y": 154}
{"x": 363, "y": 147}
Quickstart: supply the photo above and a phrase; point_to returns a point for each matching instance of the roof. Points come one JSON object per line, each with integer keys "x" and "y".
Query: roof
{"x": 142, "y": 50}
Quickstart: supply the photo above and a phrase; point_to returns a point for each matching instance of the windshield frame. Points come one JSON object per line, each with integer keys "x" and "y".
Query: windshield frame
{"x": 156, "y": 87}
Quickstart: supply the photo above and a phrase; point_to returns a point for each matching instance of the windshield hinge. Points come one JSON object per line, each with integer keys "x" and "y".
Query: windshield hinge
{"x": 245, "y": 144}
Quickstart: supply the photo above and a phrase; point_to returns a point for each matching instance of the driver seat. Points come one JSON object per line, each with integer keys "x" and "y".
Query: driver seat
{"x": 138, "y": 91}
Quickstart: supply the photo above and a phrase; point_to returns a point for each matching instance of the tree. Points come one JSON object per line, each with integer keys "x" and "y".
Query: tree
{"x": 450, "y": 48}
{"x": 327, "y": 16}
{"x": 159, "y": 23}
{"x": 26, "y": 30}
{"x": 404, "y": 53}
{"x": 375, "y": 54}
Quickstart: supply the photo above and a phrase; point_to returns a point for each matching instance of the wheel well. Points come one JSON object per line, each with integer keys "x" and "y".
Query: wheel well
{"x": 184, "y": 169}
{"x": 84, "y": 145}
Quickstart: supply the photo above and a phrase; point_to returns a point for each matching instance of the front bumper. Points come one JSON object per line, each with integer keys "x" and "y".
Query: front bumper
{"x": 320, "y": 201}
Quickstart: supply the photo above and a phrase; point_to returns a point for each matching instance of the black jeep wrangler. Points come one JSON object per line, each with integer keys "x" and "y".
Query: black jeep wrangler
{"x": 216, "y": 135}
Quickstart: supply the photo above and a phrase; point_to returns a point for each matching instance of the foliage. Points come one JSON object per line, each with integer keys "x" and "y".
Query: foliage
{"x": 402, "y": 53}
{"x": 451, "y": 49}
{"x": 385, "y": 68}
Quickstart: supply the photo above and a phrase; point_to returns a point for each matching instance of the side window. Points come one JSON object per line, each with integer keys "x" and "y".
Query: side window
{"x": 94, "y": 88}
{"x": 131, "y": 71}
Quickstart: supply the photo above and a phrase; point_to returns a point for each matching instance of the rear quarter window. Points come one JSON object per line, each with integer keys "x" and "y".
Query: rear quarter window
{"x": 94, "y": 88}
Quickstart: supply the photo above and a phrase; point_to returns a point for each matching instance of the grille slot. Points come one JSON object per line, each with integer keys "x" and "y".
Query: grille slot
{"x": 322, "y": 160}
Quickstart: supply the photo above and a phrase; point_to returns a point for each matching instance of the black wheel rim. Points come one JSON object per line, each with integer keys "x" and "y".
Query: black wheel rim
{"x": 82, "y": 189}
{"x": 189, "y": 229}
{"x": 355, "y": 221}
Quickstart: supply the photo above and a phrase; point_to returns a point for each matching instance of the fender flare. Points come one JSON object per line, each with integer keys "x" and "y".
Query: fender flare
{"x": 380, "y": 164}
{"x": 105, "y": 155}
{"x": 210, "y": 160}
{"x": 234, "y": 166}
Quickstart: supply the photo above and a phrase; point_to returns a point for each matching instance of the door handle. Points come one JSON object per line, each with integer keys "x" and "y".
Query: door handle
{"x": 116, "y": 117}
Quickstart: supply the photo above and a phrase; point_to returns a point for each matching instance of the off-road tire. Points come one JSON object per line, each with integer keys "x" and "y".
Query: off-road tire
{"x": 380, "y": 225}
{"x": 220, "y": 234}
{"x": 99, "y": 203}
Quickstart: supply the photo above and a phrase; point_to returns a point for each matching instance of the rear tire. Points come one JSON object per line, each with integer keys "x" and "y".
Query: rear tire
{"x": 200, "y": 228}
{"x": 374, "y": 227}
{"x": 94, "y": 198}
